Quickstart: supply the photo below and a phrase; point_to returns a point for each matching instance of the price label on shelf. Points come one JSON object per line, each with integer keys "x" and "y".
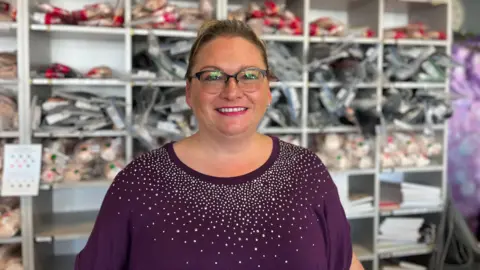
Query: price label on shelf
{"x": 21, "y": 169}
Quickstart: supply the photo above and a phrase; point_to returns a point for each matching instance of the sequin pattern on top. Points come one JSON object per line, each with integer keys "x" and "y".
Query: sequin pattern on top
{"x": 271, "y": 218}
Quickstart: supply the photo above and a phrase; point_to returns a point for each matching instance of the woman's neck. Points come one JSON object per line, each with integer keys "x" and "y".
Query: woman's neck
{"x": 227, "y": 146}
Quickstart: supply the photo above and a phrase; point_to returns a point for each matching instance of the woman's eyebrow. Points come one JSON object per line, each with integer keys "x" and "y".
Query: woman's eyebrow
{"x": 218, "y": 68}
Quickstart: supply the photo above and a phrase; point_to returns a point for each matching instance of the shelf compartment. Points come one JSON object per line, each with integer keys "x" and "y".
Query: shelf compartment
{"x": 78, "y": 29}
{"x": 352, "y": 14}
{"x": 65, "y": 226}
{"x": 59, "y": 262}
{"x": 432, "y": 15}
{"x": 363, "y": 253}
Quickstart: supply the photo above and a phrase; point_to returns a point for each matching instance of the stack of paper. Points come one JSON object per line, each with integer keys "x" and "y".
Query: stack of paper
{"x": 359, "y": 204}
{"x": 417, "y": 195}
{"x": 395, "y": 231}
{"x": 394, "y": 195}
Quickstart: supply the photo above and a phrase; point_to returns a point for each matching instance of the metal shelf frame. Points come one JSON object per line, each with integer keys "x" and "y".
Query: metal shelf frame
{"x": 32, "y": 236}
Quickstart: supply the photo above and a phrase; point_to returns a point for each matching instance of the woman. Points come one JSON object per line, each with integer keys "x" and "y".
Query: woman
{"x": 226, "y": 197}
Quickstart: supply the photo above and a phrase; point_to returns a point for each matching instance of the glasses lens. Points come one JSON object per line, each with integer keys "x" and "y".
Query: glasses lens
{"x": 250, "y": 76}
{"x": 214, "y": 76}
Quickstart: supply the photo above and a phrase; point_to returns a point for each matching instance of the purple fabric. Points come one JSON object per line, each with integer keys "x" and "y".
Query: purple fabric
{"x": 464, "y": 131}
{"x": 161, "y": 214}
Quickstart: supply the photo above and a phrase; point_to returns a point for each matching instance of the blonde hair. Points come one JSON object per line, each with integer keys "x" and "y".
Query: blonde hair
{"x": 213, "y": 29}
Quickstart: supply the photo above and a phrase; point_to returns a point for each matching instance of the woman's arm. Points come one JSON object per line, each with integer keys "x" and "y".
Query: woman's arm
{"x": 108, "y": 245}
{"x": 356, "y": 264}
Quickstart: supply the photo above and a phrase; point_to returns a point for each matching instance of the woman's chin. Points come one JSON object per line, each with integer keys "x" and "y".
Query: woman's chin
{"x": 234, "y": 130}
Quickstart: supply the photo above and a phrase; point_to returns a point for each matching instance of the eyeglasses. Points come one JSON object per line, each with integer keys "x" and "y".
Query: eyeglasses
{"x": 247, "y": 79}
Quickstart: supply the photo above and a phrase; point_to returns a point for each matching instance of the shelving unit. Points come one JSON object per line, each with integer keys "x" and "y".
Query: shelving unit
{"x": 56, "y": 224}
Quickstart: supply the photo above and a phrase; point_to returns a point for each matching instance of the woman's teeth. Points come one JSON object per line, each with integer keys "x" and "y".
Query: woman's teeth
{"x": 227, "y": 110}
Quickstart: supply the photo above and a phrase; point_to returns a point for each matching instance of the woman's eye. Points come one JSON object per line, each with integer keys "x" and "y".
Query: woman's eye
{"x": 250, "y": 75}
{"x": 213, "y": 76}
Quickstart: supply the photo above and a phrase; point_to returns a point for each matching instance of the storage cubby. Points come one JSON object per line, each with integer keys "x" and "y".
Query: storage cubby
{"x": 416, "y": 232}
{"x": 415, "y": 20}
{"x": 273, "y": 20}
{"x": 352, "y": 19}
{"x": 362, "y": 235}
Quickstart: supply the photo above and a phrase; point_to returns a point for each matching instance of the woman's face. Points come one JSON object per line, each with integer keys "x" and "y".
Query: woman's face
{"x": 229, "y": 108}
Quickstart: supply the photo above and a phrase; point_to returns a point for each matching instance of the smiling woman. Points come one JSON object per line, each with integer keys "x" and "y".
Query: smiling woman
{"x": 226, "y": 197}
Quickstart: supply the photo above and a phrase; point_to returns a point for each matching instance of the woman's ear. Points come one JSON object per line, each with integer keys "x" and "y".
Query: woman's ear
{"x": 188, "y": 93}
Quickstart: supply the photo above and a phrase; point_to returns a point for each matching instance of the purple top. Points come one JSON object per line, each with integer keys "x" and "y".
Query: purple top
{"x": 161, "y": 214}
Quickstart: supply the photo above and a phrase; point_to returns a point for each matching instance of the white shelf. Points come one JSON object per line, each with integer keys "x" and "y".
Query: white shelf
{"x": 432, "y": 168}
{"x": 404, "y": 251}
{"x": 282, "y": 38}
{"x": 328, "y": 39}
{"x": 337, "y": 84}
{"x": 419, "y": 85}
{"x": 11, "y": 240}
{"x": 158, "y": 83}
{"x": 351, "y": 216}
{"x": 164, "y": 33}
{"x": 416, "y": 42}
{"x": 354, "y": 172}
{"x": 79, "y": 82}
{"x": 6, "y": 26}
{"x": 79, "y": 134}
{"x": 78, "y": 29}
{"x": 75, "y": 185}
{"x": 9, "y": 134}
{"x": 291, "y": 84}
{"x": 287, "y": 130}
{"x": 412, "y": 211}
{"x": 333, "y": 129}
{"x": 8, "y": 82}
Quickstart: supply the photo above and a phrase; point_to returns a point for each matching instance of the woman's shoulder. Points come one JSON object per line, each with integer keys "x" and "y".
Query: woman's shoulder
{"x": 306, "y": 165}
{"x": 298, "y": 154}
{"x": 146, "y": 165}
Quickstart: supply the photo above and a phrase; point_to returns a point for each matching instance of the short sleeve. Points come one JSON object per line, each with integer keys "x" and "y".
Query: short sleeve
{"x": 339, "y": 243}
{"x": 108, "y": 244}
{"x": 329, "y": 209}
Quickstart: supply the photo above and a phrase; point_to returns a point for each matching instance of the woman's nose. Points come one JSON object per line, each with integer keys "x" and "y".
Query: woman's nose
{"x": 231, "y": 89}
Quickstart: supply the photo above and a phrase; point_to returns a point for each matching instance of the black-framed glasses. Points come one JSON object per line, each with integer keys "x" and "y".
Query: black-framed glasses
{"x": 245, "y": 78}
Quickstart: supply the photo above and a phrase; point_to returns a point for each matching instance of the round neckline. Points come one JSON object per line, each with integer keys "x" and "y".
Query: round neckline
{"x": 250, "y": 176}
